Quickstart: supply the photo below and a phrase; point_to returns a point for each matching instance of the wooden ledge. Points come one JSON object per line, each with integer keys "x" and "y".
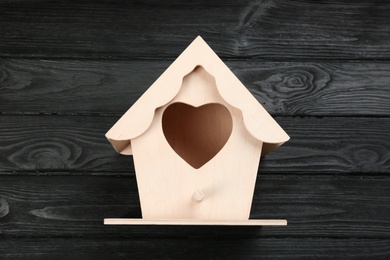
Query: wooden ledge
{"x": 196, "y": 222}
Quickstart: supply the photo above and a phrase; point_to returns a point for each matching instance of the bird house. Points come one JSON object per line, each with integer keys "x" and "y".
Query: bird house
{"x": 196, "y": 136}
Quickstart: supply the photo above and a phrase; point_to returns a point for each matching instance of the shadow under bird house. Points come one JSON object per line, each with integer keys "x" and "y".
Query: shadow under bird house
{"x": 196, "y": 136}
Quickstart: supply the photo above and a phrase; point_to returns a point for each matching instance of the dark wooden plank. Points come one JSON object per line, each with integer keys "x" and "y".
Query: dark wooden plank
{"x": 58, "y": 143}
{"x": 77, "y": 144}
{"x": 315, "y": 207}
{"x": 259, "y": 29}
{"x": 194, "y": 248}
{"x": 111, "y": 87}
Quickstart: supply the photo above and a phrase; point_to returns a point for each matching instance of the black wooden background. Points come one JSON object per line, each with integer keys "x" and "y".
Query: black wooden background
{"x": 70, "y": 69}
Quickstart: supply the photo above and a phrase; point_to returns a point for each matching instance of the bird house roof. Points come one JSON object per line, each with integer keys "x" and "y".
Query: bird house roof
{"x": 256, "y": 119}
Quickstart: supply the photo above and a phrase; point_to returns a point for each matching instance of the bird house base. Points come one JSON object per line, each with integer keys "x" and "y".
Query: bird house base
{"x": 195, "y": 222}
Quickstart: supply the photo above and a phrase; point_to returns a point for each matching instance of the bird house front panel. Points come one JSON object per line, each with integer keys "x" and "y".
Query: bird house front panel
{"x": 196, "y": 136}
{"x": 196, "y": 160}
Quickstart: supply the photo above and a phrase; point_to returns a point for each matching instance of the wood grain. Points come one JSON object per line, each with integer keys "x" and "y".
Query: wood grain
{"x": 56, "y": 143}
{"x": 111, "y": 87}
{"x": 69, "y": 69}
{"x": 74, "y": 144}
{"x": 324, "y": 206}
{"x": 221, "y": 248}
{"x": 244, "y": 29}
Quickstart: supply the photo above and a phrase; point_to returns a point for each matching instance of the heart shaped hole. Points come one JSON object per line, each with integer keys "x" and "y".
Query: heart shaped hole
{"x": 197, "y": 134}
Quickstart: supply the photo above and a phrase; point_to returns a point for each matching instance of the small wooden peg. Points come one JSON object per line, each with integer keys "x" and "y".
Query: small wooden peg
{"x": 198, "y": 196}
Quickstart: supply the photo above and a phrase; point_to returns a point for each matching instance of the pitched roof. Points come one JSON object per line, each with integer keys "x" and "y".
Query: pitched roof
{"x": 256, "y": 119}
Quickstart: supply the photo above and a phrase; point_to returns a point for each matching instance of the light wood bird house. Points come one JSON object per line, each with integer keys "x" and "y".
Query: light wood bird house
{"x": 196, "y": 136}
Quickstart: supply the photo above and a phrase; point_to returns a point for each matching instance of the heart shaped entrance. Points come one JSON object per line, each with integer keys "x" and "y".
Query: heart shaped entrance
{"x": 197, "y": 134}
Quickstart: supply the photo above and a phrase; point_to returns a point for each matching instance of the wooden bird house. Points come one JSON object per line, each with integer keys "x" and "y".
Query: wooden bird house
{"x": 196, "y": 136}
